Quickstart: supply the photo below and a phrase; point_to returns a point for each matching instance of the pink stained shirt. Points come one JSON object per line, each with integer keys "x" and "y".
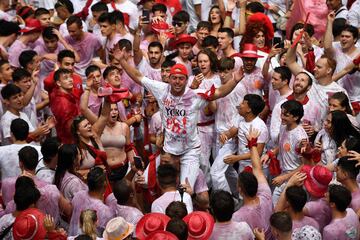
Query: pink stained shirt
{"x": 14, "y": 52}
{"x": 161, "y": 203}
{"x": 355, "y": 201}
{"x": 70, "y": 185}
{"x": 94, "y": 103}
{"x": 232, "y": 230}
{"x": 109, "y": 45}
{"x": 147, "y": 70}
{"x": 305, "y": 221}
{"x": 319, "y": 210}
{"x": 254, "y": 82}
{"x": 257, "y": 216}
{"x": 130, "y": 214}
{"x": 346, "y": 228}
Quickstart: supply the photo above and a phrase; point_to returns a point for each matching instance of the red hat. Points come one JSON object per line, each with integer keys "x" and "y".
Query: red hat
{"x": 317, "y": 180}
{"x": 200, "y": 225}
{"x": 161, "y": 27}
{"x": 262, "y": 18}
{"x": 29, "y": 224}
{"x": 161, "y": 235}
{"x": 151, "y": 222}
{"x": 185, "y": 38}
{"x": 249, "y": 51}
{"x": 178, "y": 69}
{"x": 32, "y": 25}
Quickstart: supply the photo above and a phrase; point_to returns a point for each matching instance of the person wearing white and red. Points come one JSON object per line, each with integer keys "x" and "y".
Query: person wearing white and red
{"x": 184, "y": 44}
{"x": 128, "y": 7}
{"x": 226, "y": 38}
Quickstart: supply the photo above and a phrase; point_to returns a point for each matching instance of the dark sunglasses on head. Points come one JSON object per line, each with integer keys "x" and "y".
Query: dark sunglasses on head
{"x": 177, "y": 24}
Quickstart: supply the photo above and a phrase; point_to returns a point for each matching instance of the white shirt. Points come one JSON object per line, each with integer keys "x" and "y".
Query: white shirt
{"x": 161, "y": 203}
{"x": 6, "y": 120}
{"x": 341, "y": 13}
{"x": 9, "y": 159}
{"x": 64, "y": 31}
{"x": 353, "y": 16}
{"x": 129, "y": 8}
{"x": 147, "y": 70}
{"x": 44, "y": 173}
{"x": 190, "y": 7}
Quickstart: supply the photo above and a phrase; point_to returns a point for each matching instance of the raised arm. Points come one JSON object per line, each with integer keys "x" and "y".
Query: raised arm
{"x": 226, "y": 88}
{"x": 328, "y": 38}
{"x": 66, "y": 45}
{"x": 291, "y": 61}
{"x": 84, "y": 101}
{"x": 130, "y": 70}
{"x": 30, "y": 92}
{"x": 138, "y": 54}
{"x": 254, "y": 155}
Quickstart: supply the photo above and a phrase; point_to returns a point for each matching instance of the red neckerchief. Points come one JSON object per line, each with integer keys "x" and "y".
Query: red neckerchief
{"x": 304, "y": 102}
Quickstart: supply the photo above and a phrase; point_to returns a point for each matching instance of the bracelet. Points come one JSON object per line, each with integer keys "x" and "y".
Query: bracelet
{"x": 252, "y": 143}
{"x": 228, "y": 13}
{"x": 271, "y": 154}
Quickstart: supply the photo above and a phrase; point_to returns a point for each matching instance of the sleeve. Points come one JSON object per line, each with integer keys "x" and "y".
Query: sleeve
{"x": 156, "y": 208}
{"x": 155, "y": 87}
{"x": 275, "y": 123}
{"x": 5, "y": 127}
{"x": 264, "y": 134}
{"x": 49, "y": 82}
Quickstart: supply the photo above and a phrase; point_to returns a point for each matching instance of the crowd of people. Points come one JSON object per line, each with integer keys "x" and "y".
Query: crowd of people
{"x": 181, "y": 119}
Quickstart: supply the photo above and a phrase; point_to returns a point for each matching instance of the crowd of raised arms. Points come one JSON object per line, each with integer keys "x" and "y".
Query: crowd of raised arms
{"x": 180, "y": 119}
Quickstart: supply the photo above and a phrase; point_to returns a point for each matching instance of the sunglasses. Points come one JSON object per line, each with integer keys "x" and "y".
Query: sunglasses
{"x": 177, "y": 24}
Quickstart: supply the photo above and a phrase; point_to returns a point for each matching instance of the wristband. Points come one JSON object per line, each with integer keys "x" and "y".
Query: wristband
{"x": 252, "y": 143}
{"x": 271, "y": 154}
{"x": 228, "y": 13}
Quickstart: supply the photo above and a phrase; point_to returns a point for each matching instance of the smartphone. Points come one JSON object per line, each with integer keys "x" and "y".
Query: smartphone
{"x": 146, "y": 16}
{"x": 196, "y": 71}
{"x": 138, "y": 163}
{"x": 277, "y": 40}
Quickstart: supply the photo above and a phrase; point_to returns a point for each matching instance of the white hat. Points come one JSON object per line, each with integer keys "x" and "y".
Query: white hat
{"x": 117, "y": 229}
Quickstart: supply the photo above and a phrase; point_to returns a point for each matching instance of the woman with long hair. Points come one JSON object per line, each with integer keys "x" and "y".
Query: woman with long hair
{"x": 215, "y": 19}
{"x": 88, "y": 224}
{"x": 339, "y": 101}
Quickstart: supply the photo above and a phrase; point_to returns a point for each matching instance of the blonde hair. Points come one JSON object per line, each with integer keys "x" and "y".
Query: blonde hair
{"x": 88, "y": 220}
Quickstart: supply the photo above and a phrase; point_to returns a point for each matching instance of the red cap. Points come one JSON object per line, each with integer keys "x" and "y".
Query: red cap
{"x": 151, "y": 222}
{"x": 185, "y": 38}
{"x": 317, "y": 180}
{"x": 200, "y": 225}
{"x": 32, "y": 25}
{"x": 249, "y": 51}
{"x": 161, "y": 235}
{"x": 178, "y": 69}
{"x": 29, "y": 224}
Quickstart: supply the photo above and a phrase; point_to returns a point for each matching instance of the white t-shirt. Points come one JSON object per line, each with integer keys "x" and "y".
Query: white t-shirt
{"x": 129, "y": 8}
{"x": 180, "y": 115}
{"x": 9, "y": 159}
{"x": 30, "y": 111}
{"x": 353, "y": 16}
{"x": 64, "y": 31}
{"x": 44, "y": 173}
{"x": 147, "y": 70}
{"x": 341, "y": 13}
{"x": 161, "y": 203}
{"x": 6, "y": 120}
{"x": 190, "y": 7}
{"x": 254, "y": 82}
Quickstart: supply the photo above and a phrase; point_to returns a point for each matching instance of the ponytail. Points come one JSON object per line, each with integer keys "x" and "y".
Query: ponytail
{"x": 88, "y": 220}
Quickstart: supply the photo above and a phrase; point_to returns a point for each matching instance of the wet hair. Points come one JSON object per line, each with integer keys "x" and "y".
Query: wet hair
{"x": 209, "y": 16}
{"x": 59, "y": 72}
{"x": 65, "y": 53}
{"x": 248, "y": 183}
{"x": 309, "y": 29}
{"x": 8, "y": 28}
{"x": 341, "y": 127}
{"x": 41, "y": 11}
{"x": 67, "y": 157}
{"x": 117, "y": 17}
{"x": 353, "y": 30}
{"x": 88, "y": 219}
{"x": 343, "y": 100}
{"x": 96, "y": 179}
{"x": 255, "y": 103}
{"x": 226, "y": 63}
{"x": 294, "y": 108}
{"x": 29, "y": 157}
{"x": 339, "y": 195}
{"x": 125, "y": 43}
{"x": 281, "y": 221}
{"x": 50, "y": 148}
{"x": 99, "y": 7}
{"x": 255, "y": 7}
{"x": 204, "y": 24}
{"x": 338, "y": 26}
{"x": 65, "y": 3}
{"x": 296, "y": 197}
{"x": 168, "y": 63}
{"x": 156, "y": 44}
{"x": 26, "y": 193}
{"x": 19, "y": 129}
{"x": 91, "y": 69}
{"x": 10, "y": 90}
{"x": 122, "y": 191}
{"x": 229, "y": 32}
{"x": 19, "y": 74}
{"x": 176, "y": 209}
{"x": 108, "y": 70}
{"x": 106, "y": 17}
{"x": 167, "y": 175}
{"x": 352, "y": 144}
{"x": 222, "y": 205}
{"x": 159, "y": 7}
{"x": 181, "y": 16}
{"x": 285, "y": 73}
{"x": 26, "y": 57}
{"x": 178, "y": 227}
{"x": 349, "y": 166}
{"x": 74, "y": 19}
{"x": 210, "y": 41}
{"x": 212, "y": 57}
{"x": 49, "y": 34}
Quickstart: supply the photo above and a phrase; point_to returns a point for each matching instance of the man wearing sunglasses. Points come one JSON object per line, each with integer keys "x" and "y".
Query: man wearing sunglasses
{"x": 180, "y": 23}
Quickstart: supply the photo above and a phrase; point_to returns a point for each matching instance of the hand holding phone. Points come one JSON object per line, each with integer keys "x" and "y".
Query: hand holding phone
{"x": 196, "y": 71}
{"x": 146, "y": 16}
{"x": 138, "y": 163}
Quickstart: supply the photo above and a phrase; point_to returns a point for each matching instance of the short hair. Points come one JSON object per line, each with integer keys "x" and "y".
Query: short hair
{"x": 65, "y": 53}
{"x": 281, "y": 221}
{"x": 226, "y": 63}
{"x": 26, "y": 57}
{"x": 108, "y": 70}
{"x": 285, "y": 73}
{"x": 26, "y": 193}
{"x": 255, "y": 7}
{"x": 125, "y": 43}
{"x": 352, "y": 143}
{"x": 74, "y": 19}
{"x": 96, "y": 179}
{"x": 349, "y": 166}
{"x": 222, "y": 205}
{"x": 41, "y": 11}
{"x": 159, "y": 7}
{"x": 117, "y": 17}
{"x": 168, "y": 63}
{"x": 294, "y": 108}
{"x": 167, "y": 175}
{"x": 122, "y": 191}
{"x": 210, "y": 41}
{"x": 330, "y": 61}
{"x": 178, "y": 227}
{"x": 176, "y": 209}
{"x": 248, "y": 183}
{"x": 10, "y": 90}
{"x": 228, "y": 31}
{"x": 214, "y": 63}
{"x": 343, "y": 100}
{"x": 3, "y": 62}
{"x": 91, "y": 69}
{"x": 338, "y": 26}
{"x": 156, "y": 44}
{"x": 8, "y": 28}
{"x": 204, "y": 24}
{"x": 296, "y": 197}
{"x": 83, "y": 237}
{"x": 309, "y": 29}
{"x": 181, "y": 16}
{"x": 99, "y": 7}
{"x": 49, "y": 148}
{"x": 339, "y": 195}
{"x": 255, "y": 103}
{"x": 29, "y": 157}
{"x": 49, "y": 34}
{"x": 353, "y": 30}
{"x": 19, "y": 74}
{"x": 310, "y": 81}
{"x": 105, "y": 17}
{"x": 59, "y": 72}
{"x": 65, "y": 3}
{"x": 19, "y": 129}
